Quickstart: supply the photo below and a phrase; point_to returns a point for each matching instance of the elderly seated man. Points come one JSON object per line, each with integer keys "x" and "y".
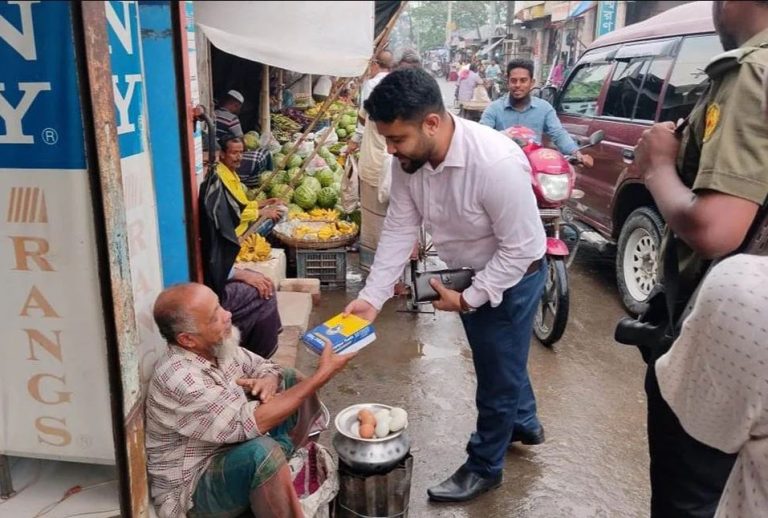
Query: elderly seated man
{"x": 213, "y": 449}
{"x": 226, "y": 216}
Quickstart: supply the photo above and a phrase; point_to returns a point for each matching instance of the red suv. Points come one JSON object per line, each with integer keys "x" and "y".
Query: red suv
{"x": 625, "y": 81}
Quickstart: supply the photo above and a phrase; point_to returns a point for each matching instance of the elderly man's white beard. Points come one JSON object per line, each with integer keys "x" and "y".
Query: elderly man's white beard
{"x": 228, "y": 347}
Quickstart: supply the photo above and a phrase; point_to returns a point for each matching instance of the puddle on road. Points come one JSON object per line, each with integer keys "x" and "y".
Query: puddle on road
{"x": 589, "y": 395}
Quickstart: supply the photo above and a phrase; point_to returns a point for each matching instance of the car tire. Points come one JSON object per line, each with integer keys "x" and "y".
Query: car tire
{"x": 637, "y": 258}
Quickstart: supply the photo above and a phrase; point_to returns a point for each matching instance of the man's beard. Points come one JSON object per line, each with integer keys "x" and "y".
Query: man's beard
{"x": 228, "y": 347}
{"x": 411, "y": 164}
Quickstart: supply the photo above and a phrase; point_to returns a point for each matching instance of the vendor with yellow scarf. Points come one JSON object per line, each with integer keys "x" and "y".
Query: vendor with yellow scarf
{"x": 227, "y": 216}
{"x": 265, "y": 212}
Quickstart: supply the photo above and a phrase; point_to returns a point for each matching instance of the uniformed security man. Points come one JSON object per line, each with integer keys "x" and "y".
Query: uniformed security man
{"x": 708, "y": 181}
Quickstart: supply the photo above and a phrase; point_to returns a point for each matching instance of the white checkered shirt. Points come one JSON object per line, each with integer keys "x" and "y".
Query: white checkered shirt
{"x": 194, "y": 410}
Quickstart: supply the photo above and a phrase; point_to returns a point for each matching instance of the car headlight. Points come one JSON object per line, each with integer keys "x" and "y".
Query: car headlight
{"x": 554, "y": 187}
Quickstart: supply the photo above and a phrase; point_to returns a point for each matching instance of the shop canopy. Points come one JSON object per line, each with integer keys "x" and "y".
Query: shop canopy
{"x": 323, "y": 38}
{"x": 488, "y": 48}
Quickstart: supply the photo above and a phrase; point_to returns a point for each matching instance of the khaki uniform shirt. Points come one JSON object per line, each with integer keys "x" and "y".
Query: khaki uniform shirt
{"x": 725, "y": 147}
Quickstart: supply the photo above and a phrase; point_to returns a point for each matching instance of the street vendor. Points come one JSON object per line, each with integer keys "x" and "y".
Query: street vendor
{"x": 226, "y": 215}
{"x": 220, "y": 420}
{"x": 228, "y": 116}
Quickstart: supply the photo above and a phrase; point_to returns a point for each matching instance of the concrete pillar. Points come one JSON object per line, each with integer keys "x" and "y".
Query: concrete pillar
{"x": 621, "y": 15}
{"x": 587, "y": 28}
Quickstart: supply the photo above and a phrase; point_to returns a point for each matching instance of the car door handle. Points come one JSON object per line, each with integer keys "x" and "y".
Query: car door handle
{"x": 628, "y": 154}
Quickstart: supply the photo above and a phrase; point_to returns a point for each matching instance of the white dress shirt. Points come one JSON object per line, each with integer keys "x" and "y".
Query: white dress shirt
{"x": 715, "y": 378}
{"x": 479, "y": 208}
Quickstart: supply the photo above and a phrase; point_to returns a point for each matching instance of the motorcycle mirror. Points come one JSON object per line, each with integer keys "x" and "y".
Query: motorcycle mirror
{"x": 596, "y": 137}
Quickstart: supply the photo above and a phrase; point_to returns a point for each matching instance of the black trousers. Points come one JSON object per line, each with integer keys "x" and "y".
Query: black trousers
{"x": 687, "y": 476}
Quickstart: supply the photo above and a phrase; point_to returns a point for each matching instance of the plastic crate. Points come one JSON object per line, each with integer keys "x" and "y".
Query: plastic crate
{"x": 329, "y": 266}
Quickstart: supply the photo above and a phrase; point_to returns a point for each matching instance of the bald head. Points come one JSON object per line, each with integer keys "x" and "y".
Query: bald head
{"x": 385, "y": 60}
{"x": 174, "y": 309}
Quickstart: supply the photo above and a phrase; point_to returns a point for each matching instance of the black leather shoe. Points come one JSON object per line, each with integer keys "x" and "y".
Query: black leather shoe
{"x": 462, "y": 486}
{"x": 527, "y": 437}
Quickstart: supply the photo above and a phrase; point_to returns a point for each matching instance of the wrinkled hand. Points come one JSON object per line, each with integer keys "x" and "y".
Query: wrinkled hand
{"x": 450, "y": 300}
{"x": 352, "y": 147}
{"x": 261, "y": 282}
{"x": 272, "y": 201}
{"x": 362, "y": 309}
{"x": 657, "y": 149}
{"x": 586, "y": 160}
{"x": 331, "y": 363}
{"x": 264, "y": 388}
{"x": 272, "y": 213}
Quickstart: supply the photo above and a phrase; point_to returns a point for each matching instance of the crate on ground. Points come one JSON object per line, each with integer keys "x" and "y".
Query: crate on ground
{"x": 329, "y": 266}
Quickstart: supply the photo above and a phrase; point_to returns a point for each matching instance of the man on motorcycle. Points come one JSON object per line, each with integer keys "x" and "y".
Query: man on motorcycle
{"x": 519, "y": 108}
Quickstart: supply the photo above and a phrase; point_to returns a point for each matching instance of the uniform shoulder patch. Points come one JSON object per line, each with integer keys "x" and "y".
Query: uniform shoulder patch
{"x": 711, "y": 121}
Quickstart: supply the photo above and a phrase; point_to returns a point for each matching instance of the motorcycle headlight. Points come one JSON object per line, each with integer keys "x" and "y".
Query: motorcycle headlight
{"x": 554, "y": 187}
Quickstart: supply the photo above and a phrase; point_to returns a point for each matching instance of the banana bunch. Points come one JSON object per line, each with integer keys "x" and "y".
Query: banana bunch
{"x": 346, "y": 227}
{"x": 326, "y": 232}
{"x": 281, "y": 135}
{"x": 254, "y": 249}
{"x": 284, "y": 123}
{"x": 318, "y": 215}
{"x": 312, "y": 112}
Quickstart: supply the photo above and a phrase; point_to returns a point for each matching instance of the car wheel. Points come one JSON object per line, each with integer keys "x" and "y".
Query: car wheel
{"x": 637, "y": 258}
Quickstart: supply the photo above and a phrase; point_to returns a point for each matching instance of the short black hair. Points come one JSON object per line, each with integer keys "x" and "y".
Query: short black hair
{"x": 224, "y": 143}
{"x": 408, "y": 94}
{"x": 521, "y": 63}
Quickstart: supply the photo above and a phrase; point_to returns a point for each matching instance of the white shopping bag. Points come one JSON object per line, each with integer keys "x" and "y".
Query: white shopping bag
{"x": 350, "y": 186}
{"x": 385, "y": 179}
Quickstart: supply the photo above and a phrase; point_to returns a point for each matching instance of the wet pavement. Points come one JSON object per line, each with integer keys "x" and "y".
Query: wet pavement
{"x": 589, "y": 392}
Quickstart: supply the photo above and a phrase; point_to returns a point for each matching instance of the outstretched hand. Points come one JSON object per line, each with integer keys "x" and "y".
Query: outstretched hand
{"x": 362, "y": 309}
{"x": 331, "y": 363}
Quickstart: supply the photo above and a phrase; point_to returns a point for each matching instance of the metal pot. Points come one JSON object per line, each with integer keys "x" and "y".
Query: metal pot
{"x": 368, "y": 456}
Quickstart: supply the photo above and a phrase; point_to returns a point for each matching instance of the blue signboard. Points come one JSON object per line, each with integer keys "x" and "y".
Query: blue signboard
{"x": 606, "y": 17}
{"x": 41, "y": 124}
{"x": 125, "y": 56}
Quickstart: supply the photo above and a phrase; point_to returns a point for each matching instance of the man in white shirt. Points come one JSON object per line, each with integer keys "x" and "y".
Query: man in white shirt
{"x": 470, "y": 186}
{"x": 373, "y": 158}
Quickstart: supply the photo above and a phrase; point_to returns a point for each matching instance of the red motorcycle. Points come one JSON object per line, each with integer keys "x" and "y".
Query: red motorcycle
{"x": 552, "y": 178}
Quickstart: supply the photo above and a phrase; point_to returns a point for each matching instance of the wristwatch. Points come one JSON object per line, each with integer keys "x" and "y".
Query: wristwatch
{"x": 466, "y": 309}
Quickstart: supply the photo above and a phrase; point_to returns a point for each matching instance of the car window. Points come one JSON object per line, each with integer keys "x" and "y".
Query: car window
{"x": 648, "y": 97}
{"x": 688, "y": 80}
{"x": 583, "y": 90}
{"x": 624, "y": 88}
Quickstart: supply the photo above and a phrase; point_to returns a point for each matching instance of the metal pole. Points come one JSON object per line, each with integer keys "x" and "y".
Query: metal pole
{"x": 448, "y": 25}
{"x": 264, "y": 102}
{"x": 6, "y": 483}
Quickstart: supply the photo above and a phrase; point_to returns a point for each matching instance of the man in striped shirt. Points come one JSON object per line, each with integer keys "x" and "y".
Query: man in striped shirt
{"x": 221, "y": 420}
{"x": 227, "y": 116}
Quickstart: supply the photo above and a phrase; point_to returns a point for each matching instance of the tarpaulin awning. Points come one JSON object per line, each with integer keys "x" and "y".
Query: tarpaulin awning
{"x": 323, "y": 38}
{"x": 489, "y": 48}
{"x": 581, "y": 8}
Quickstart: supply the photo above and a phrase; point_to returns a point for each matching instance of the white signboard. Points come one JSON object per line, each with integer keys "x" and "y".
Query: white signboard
{"x": 54, "y": 389}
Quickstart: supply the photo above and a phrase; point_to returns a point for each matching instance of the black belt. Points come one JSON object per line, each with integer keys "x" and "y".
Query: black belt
{"x": 534, "y": 267}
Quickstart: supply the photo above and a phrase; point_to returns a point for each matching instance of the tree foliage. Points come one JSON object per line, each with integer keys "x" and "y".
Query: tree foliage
{"x": 429, "y": 18}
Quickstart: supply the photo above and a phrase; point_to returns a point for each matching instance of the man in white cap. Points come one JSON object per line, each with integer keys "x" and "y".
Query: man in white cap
{"x": 227, "y": 120}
